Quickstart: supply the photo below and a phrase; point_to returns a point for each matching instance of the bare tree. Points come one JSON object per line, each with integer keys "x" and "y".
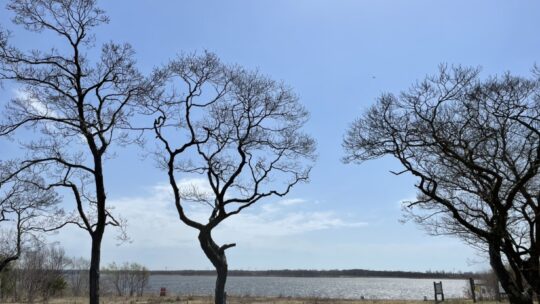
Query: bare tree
{"x": 76, "y": 109}
{"x": 39, "y": 273}
{"x": 78, "y": 276}
{"x": 128, "y": 279}
{"x": 117, "y": 278}
{"x": 239, "y": 130}
{"x": 139, "y": 277}
{"x": 474, "y": 146}
{"x": 25, "y": 208}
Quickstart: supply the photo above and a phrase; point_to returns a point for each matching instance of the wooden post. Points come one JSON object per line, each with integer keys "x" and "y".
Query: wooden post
{"x": 442, "y": 293}
{"x": 473, "y": 291}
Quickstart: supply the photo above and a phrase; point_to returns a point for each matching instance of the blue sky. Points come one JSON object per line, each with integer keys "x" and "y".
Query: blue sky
{"x": 338, "y": 56}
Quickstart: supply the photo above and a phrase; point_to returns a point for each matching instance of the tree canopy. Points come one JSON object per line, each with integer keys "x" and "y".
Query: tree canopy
{"x": 474, "y": 147}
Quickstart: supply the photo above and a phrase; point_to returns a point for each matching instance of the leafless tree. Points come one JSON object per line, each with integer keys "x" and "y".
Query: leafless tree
{"x": 128, "y": 279}
{"x": 77, "y": 109}
{"x": 118, "y": 278}
{"x": 39, "y": 272}
{"x": 25, "y": 208}
{"x": 474, "y": 146}
{"x": 77, "y": 276}
{"x": 239, "y": 130}
{"x": 139, "y": 277}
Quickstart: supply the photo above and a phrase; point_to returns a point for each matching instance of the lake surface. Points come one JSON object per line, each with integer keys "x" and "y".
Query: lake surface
{"x": 343, "y": 288}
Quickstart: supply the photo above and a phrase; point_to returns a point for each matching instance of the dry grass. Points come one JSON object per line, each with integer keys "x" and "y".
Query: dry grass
{"x": 243, "y": 300}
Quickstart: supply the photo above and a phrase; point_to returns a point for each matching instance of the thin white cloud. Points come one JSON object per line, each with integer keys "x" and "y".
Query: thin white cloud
{"x": 271, "y": 207}
{"x": 291, "y": 202}
{"x": 260, "y": 225}
{"x": 38, "y": 107}
{"x": 155, "y": 229}
{"x": 162, "y": 225}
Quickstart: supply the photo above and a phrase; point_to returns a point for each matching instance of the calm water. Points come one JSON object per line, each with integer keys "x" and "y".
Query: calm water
{"x": 345, "y": 288}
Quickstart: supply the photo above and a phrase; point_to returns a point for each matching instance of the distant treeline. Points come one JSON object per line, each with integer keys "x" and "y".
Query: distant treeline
{"x": 328, "y": 273}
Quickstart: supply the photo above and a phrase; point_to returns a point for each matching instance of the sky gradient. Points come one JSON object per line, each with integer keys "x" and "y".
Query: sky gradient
{"x": 338, "y": 56}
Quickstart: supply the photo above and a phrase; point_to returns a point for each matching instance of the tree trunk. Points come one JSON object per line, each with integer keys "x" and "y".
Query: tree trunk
{"x": 97, "y": 234}
{"x": 220, "y": 295}
{"x": 534, "y": 260}
{"x": 94, "y": 269}
{"x": 515, "y": 294}
{"x": 531, "y": 273}
{"x": 216, "y": 255}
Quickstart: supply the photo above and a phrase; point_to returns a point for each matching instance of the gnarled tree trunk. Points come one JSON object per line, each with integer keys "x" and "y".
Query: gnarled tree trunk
{"x": 516, "y": 294}
{"x": 216, "y": 255}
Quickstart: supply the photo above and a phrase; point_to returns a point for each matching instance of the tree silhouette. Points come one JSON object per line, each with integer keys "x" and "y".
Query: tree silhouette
{"x": 25, "y": 209}
{"x": 76, "y": 109}
{"x": 474, "y": 147}
{"x": 238, "y": 129}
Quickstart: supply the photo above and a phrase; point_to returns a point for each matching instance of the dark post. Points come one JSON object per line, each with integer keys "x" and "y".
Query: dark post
{"x": 438, "y": 291}
{"x": 473, "y": 292}
{"x": 442, "y": 293}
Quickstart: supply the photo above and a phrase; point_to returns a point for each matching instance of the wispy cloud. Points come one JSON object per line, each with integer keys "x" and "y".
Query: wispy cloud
{"x": 286, "y": 223}
{"x": 163, "y": 226}
{"x": 154, "y": 228}
{"x": 35, "y": 106}
{"x": 291, "y": 202}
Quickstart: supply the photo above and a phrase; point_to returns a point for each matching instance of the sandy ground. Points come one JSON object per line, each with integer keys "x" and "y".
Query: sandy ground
{"x": 241, "y": 300}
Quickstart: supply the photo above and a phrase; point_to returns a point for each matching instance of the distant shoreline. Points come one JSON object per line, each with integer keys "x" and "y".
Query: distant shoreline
{"x": 348, "y": 273}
